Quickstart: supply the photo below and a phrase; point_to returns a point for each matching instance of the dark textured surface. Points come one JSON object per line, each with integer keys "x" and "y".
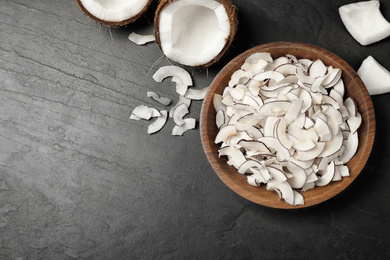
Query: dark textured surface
{"x": 79, "y": 180}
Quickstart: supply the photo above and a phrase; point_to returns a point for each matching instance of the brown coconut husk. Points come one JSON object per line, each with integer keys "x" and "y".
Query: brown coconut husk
{"x": 231, "y": 11}
{"x": 114, "y": 23}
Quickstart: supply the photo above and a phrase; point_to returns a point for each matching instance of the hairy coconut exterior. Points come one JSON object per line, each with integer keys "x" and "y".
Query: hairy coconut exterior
{"x": 114, "y": 23}
{"x": 231, "y": 13}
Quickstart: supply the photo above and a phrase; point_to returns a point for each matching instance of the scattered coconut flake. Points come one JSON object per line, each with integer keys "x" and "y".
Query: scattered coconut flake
{"x": 141, "y": 39}
{"x": 145, "y": 112}
{"x": 196, "y": 94}
{"x": 189, "y": 123}
{"x": 365, "y": 22}
{"x": 155, "y": 96}
{"x": 159, "y": 123}
{"x": 374, "y": 76}
{"x": 177, "y": 72}
{"x": 297, "y": 131}
{"x": 178, "y": 113}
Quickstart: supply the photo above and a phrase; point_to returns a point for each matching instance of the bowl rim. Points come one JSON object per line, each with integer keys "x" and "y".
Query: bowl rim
{"x": 247, "y": 191}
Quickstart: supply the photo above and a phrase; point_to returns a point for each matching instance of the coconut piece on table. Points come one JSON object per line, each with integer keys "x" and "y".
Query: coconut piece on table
{"x": 374, "y": 76}
{"x": 196, "y": 94}
{"x": 365, "y": 22}
{"x": 114, "y": 12}
{"x": 141, "y": 39}
{"x": 189, "y": 123}
{"x": 144, "y": 112}
{"x": 159, "y": 123}
{"x": 195, "y": 32}
{"x": 155, "y": 96}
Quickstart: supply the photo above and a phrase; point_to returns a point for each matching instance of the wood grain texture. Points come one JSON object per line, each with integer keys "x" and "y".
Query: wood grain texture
{"x": 354, "y": 88}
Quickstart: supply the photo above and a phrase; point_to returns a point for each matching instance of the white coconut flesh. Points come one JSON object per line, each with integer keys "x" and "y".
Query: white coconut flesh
{"x": 193, "y": 32}
{"x": 365, "y": 22}
{"x": 288, "y": 120}
{"x": 374, "y": 76}
{"x": 114, "y": 10}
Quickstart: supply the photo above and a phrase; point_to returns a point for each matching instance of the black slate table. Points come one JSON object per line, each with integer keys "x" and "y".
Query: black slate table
{"x": 80, "y": 180}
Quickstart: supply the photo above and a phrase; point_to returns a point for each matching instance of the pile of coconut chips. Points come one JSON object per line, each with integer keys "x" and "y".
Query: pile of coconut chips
{"x": 284, "y": 123}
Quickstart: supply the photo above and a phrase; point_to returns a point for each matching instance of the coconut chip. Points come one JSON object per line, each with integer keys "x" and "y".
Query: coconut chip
{"x": 159, "y": 123}
{"x": 141, "y": 39}
{"x": 365, "y": 22}
{"x": 374, "y": 76}
{"x": 162, "y": 100}
{"x": 189, "y": 123}
{"x": 144, "y": 112}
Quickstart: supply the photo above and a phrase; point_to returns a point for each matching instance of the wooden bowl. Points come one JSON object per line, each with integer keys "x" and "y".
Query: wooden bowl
{"x": 260, "y": 195}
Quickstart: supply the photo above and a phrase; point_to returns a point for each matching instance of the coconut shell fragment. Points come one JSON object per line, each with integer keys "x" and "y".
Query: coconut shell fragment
{"x": 195, "y": 32}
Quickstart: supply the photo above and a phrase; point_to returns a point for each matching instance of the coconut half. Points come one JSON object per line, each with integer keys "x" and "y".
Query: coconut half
{"x": 114, "y": 12}
{"x": 195, "y": 32}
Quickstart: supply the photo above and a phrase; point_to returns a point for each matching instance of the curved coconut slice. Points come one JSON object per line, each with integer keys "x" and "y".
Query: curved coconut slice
{"x": 258, "y": 56}
{"x": 303, "y": 164}
{"x": 225, "y": 133}
{"x": 295, "y": 109}
{"x": 238, "y": 77}
{"x": 179, "y": 75}
{"x": 323, "y": 130}
{"x": 195, "y": 32}
{"x": 311, "y": 154}
{"x": 332, "y": 78}
{"x": 282, "y": 153}
{"x": 178, "y": 113}
{"x": 247, "y": 165}
{"x": 217, "y": 102}
{"x": 275, "y": 108}
{"x": 283, "y": 189}
{"x": 281, "y": 133}
{"x": 298, "y": 178}
{"x": 286, "y": 69}
{"x": 326, "y": 176}
{"x": 302, "y": 144}
{"x": 316, "y": 69}
{"x": 254, "y": 132}
{"x": 302, "y": 76}
{"x": 374, "y": 76}
{"x": 277, "y": 174}
{"x": 365, "y": 22}
{"x": 220, "y": 118}
{"x": 354, "y": 122}
{"x": 269, "y": 126}
{"x": 145, "y": 112}
{"x": 161, "y": 100}
{"x": 269, "y": 74}
{"x": 298, "y": 198}
{"x": 254, "y": 145}
{"x": 187, "y": 102}
{"x": 235, "y": 156}
{"x": 114, "y": 12}
{"x": 141, "y": 39}
{"x": 350, "y": 148}
{"x": 196, "y": 94}
{"x": 159, "y": 123}
{"x": 333, "y": 146}
{"x": 189, "y": 123}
